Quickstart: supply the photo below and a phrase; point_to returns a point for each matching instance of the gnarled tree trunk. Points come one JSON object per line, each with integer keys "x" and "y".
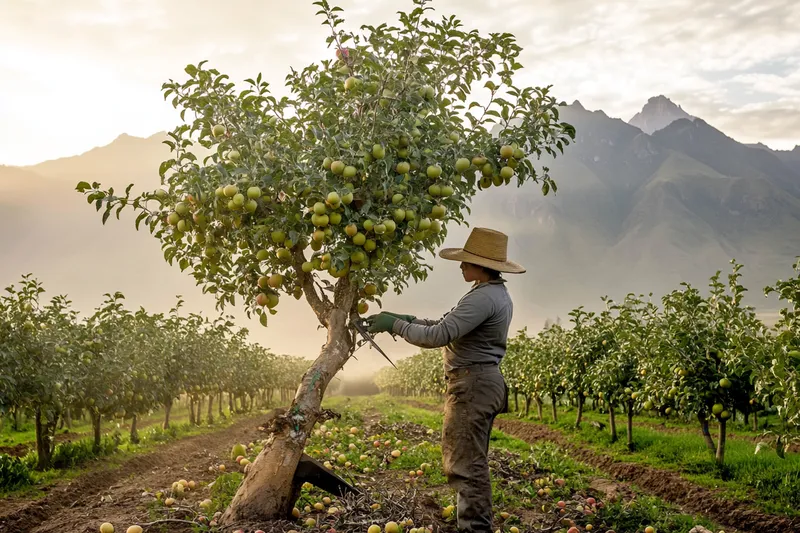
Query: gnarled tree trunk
{"x": 612, "y": 422}
{"x": 720, "y": 455}
{"x": 706, "y": 434}
{"x": 167, "y": 411}
{"x": 268, "y": 490}
{"x": 630, "y": 425}
{"x": 134, "y": 431}
{"x": 96, "y": 419}
{"x": 44, "y": 442}
{"x": 580, "y": 410}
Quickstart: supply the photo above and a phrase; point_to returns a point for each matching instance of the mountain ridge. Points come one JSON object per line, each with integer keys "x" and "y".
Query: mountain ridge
{"x": 635, "y": 212}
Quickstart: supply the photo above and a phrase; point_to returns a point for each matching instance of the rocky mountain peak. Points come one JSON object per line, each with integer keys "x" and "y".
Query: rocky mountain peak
{"x": 658, "y": 113}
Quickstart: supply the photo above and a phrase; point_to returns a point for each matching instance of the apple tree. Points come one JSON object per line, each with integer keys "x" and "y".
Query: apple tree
{"x": 336, "y": 191}
{"x": 35, "y": 344}
{"x": 516, "y": 365}
{"x": 616, "y": 377}
{"x": 548, "y": 364}
{"x": 696, "y": 368}
{"x": 101, "y": 368}
{"x": 585, "y": 343}
{"x": 777, "y": 379}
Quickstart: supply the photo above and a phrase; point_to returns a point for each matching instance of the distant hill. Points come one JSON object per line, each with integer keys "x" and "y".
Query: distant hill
{"x": 634, "y": 212}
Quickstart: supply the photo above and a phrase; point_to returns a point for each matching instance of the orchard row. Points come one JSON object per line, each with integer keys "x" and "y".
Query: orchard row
{"x": 699, "y": 357}
{"x": 122, "y": 363}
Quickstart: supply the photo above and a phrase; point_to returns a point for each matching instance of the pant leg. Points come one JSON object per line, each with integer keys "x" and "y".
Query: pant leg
{"x": 473, "y": 401}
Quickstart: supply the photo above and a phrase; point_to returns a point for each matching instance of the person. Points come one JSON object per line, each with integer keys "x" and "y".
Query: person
{"x": 473, "y": 336}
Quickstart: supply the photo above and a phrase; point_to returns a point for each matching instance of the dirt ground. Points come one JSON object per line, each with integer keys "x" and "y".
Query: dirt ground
{"x": 115, "y": 494}
{"x": 669, "y": 486}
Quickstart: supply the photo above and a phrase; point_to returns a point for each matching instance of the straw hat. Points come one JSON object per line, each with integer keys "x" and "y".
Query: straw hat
{"x": 487, "y": 248}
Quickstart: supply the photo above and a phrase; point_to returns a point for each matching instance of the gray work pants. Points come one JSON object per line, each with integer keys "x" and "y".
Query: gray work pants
{"x": 475, "y": 396}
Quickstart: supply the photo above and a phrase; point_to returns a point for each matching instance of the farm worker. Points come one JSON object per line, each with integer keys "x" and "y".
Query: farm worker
{"x": 473, "y": 336}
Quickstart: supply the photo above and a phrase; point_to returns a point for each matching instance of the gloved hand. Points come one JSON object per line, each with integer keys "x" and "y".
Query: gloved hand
{"x": 381, "y": 322}
{"x": 406, "y": 318}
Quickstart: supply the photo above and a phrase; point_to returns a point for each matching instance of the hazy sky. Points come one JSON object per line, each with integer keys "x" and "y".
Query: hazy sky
{"x": 77, "y": 73}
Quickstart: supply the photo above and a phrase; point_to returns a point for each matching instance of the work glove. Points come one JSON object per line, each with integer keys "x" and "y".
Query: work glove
{"x": 381, "y": 322}
{"x": 405, "y": 318}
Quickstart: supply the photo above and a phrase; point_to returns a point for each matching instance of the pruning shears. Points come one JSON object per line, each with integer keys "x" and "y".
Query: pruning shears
{"x": 360, "y": 325}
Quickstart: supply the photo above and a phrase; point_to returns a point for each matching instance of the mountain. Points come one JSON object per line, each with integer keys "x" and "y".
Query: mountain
{"x": 658, "y": 113}
{"x": 634, "y": 212}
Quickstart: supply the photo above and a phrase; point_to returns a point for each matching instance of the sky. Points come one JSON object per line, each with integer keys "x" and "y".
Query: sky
{"x": 76, "y": 74}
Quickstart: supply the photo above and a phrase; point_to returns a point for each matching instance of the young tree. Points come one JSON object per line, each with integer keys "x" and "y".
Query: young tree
{"x": 354, "y": 175}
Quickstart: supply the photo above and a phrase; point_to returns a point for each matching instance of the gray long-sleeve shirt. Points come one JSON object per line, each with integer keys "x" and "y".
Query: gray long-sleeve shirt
{"x": 474, "y": 331}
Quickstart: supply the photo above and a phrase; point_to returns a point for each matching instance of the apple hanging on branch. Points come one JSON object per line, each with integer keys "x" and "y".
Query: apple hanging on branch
{"x": 335, "y": 192}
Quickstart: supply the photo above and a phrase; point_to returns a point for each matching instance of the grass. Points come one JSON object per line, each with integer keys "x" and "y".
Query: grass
{"x": 27, "y": 433}
{"x": 546, "y": 459}
{"x": 738, "y": 428}
{"x": 772, "y": 482}
{"x": 76, "y": 455}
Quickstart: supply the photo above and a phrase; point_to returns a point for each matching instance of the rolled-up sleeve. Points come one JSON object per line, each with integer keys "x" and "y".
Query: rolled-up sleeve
{"x": 470, "y": 313}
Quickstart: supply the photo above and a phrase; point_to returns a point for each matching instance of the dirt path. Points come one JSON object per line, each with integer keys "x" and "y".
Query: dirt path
{"x": 115, "y": 495}
{"x": 669, "y": 486}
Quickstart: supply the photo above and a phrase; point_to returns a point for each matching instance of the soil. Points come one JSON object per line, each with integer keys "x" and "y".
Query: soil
{"x": 669, "y": 486}
{"x": 22, "y": 449}
{"x": 115, "y": 495}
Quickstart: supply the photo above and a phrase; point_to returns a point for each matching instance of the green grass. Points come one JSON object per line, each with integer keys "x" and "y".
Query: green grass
{"x": 27, "y": 433}
{"x": 765, "y": 478}
{"x": 643, "y": 419}
{"x": 76, "y": 455}
{"x": 546, "y": 458}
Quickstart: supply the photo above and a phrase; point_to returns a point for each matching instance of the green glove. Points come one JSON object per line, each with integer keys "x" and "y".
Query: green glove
{"x": 381, "y": 322}
{"x": 406, "y": 318}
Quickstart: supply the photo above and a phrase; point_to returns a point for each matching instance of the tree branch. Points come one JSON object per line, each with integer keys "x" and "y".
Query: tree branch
{"x": 319, "y": 302}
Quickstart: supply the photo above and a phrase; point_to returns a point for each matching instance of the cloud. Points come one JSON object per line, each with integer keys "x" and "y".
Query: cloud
{"x": 100, "y": 63}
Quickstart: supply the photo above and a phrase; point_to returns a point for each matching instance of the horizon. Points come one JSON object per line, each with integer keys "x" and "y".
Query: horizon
{"x": 160, "y": 132}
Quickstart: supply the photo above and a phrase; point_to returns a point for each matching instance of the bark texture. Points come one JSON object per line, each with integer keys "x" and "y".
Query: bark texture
{"x": 268, "y": 491}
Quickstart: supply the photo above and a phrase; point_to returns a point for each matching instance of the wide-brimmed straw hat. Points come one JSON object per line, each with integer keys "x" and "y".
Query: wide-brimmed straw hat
{"x": 487, "y": 248}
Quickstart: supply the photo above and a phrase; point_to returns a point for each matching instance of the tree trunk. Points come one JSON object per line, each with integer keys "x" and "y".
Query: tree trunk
{"x": 210, "y": 413}
{"x": 527, "y": 405}
{"x": 720, "y": 455}
{"x": 167, "y": 411}
{"x": 96, "y": 419}
{"x": 516, "y": 402}
{"x": 538, "y": 401}
{"x": 68, "y": 419}
{"x": 612, "y": 422}
{"x": 268, "y": 491}
{"x": 555, "y": 409}
{"x": 706, "y": 433}
{"x": 580, "y": 411}
{"x": 230, "y": 403}
{"x": 755, "y": 419}
{"x": 630, "y": 426}
{"x": 219, "y": 405}
{"x": 15, "y": 419}
{"x": 192, "y": 419}
{"x": 134, "y": 431}
{"x": 199, "y": 410}
{"x": 44, "y": 448}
